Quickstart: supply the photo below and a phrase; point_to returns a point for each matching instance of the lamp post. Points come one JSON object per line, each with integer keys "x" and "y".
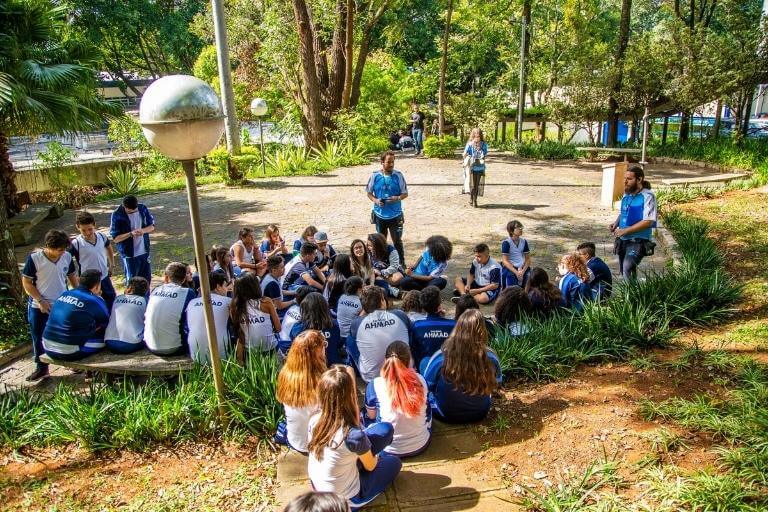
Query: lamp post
{"x": 259, "y": 108}
{"x": 181, "y": 117}
{"x": 645, "y": 137}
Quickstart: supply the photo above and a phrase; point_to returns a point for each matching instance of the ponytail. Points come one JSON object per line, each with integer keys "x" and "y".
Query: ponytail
{"x": 403, "y": 384}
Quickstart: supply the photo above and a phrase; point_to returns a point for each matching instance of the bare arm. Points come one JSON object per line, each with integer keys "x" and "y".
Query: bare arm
{"x": 369, "y": 460}
{"x": 31, "y": 290}
{"x": 267, "y": 306}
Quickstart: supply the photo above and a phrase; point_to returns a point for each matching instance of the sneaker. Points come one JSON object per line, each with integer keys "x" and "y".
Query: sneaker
{"x": 455, "y": 299}
{"x": 394, "y": 292}
{"x": 456, "y": 292}
{"x": 40, "y": 373}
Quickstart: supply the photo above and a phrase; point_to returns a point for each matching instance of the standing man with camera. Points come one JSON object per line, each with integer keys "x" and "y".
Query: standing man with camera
{"x": 387, "y": 189}
{"x": 633, "y": 227}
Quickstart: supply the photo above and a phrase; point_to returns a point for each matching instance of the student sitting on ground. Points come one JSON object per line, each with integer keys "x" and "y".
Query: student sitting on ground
{"x": 292, "y": 317}
{"x": 317, "y": 502}
{"x": 466, "y": 302}
{"x": 370, "y": 335}
{"x": 484, "y": 279}
{"x": 222, "y": 262}
{"x": 302, "y": 271}
{"x": 385, "y": 261}
{"x": 297, "y": 388}
{"x": 462, "y": 375}
{"x": 574, "y": 281}
{"x": 361, "y": 262}
{"x": 246, "y": 255}
{"x": 334, "y": 285}
{"x": 165, "y": 322}
{"x": 44, "y": 278}
{"x": 343, "y": 457}
{"x": 431, "y": 265}
{"x": 600, "y": 278}
{"x": 198, "y": 334}
{"x": 254, "y": 317}
{"x": 399, "y": 397}
{"x": 307, "y": 237}
{"x": 428, "y": 334}
{"x": 315, "y": 315}
{"x": 512, "y": 307}
{"x": 77, "y": 321}
{"x": 270, "y": 285}
{"x": 545, "y": 297}
{"x": 326, "y": 254}
{"x": 515, "y": 256}
{"x": 273, "y": 244}
{"x": 93, "y": 250}
{"x": 125, "y": 332}
{"x": 349, "y": 306}
{"x": 411, "y": 306}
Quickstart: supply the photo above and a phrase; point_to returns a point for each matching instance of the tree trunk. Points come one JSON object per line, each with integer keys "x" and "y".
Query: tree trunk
{"x": 362, "y": 56}
{"x": 349, "y": 54}
{"x": 718, "y": 117}
{"x": 747, "y": 114}
{"x": 685, "y": 127}
{"x": 312, "y": 111}
{"x": 664, "y": 130}
{"x": 9, "y": 268}
{"x": 621, "y": 48}
{"x": 338, "y": 62}
{"x": 443, "y": 69}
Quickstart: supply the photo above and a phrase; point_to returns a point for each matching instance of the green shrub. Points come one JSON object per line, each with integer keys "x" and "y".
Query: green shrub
{"x": 546, "y": 150}
{"x": 436, "y": 147}
{"x": 123, "y": 180}
{"x": 13, "y": 325}
{"x": 372, "y": 144}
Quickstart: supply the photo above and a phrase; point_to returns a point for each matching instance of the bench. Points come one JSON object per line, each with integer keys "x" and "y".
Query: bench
{"x": 703, "y": 180}
{"x": 594, "y": 150}
{"x": 21, "y": 225}
{"x": 142, "y": 362}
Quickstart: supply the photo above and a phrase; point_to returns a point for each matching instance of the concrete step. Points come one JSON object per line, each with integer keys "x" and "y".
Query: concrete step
{"x": 704, "y": 180}
{"x": 21, "y": 225}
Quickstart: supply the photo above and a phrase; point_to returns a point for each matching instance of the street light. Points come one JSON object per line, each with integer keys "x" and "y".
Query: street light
{"x": 643, "y": 161}
{"x": 181, "y": 117}
{"x": 259, "y": 108}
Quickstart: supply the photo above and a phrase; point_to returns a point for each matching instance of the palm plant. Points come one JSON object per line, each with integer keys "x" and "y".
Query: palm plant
{"x": 47, "y": 85}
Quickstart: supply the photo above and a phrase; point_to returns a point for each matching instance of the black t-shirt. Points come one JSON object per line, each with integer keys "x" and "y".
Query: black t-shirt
{"x": 417, "y": 119}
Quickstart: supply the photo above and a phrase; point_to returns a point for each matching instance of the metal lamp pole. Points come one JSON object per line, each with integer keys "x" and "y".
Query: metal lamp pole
{"x": 259, "y": 108}
{"x": 645, "y": 137}
{"x": 181, "y": 117}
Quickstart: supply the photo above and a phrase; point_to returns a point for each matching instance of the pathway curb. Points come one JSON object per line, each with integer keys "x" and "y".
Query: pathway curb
{"x": 669, "y": 244}
{"x": 14, "y": 353}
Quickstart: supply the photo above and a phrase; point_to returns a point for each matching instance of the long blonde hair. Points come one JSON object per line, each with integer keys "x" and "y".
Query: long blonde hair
{"x": 338, "y": 408}
{"x": 297, "y": 381}
{"x": 467, "y": 365}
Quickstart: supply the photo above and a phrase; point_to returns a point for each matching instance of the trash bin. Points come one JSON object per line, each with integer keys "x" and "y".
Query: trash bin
{"x": 613, "y": 183}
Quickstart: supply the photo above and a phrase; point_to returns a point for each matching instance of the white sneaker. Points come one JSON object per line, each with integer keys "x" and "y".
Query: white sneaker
{"x": 394, "y": 292}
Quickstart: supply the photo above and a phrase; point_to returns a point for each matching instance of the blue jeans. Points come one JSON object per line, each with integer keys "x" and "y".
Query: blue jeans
{"x": 409, "y": 283}
{"x": 373, "y": 483}
{"x": 631, "y": 253}
{"x": 108, "y": 292}
{"x": 138, "y": 266}
{"x": 37, "y": 320}
{"x": 510, "y": 279}
{"x": 418, "y": 139}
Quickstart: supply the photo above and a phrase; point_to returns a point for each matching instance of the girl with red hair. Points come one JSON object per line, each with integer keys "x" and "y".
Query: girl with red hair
{"x": 399, "y": 396}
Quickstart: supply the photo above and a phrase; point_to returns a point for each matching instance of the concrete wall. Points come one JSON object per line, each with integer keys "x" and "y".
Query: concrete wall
{"x": 91, "y": 172}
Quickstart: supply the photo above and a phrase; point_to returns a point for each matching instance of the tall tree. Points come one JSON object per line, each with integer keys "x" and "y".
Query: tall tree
{"x": 443, "y": 69}
{"x": 47, "y": 85}
{"x": 618, "y": 64}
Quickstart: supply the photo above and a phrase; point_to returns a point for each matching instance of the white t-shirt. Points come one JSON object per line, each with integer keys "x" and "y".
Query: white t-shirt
{"x": 198, "y": 335}
{"x": 347, "y": 310}
{"x": 126, "y": 324}
{"x": 291, "y": 318}
{"x": 411, "y": 434}
{"x": 258, "y": 329}
{"x": 372, "y": 334}
{"x": 414, "y": 316}
{"x": 138, "y": 241}
{"x": 92, "y": 255}
{"x": 297, "y": 425}
{"x": 165, "y": 324}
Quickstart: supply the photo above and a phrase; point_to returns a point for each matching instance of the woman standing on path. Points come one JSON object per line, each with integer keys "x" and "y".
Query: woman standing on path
{"x": 474, "y": 164}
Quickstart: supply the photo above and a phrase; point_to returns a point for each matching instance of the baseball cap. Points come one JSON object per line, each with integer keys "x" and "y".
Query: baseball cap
{"x": 321, "y": 236}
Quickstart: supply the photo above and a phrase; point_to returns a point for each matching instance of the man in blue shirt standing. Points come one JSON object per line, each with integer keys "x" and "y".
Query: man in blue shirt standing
{"x": 387, "y": 188}
{"x": 130, "y": 227}
{"x": 633, "y": 227}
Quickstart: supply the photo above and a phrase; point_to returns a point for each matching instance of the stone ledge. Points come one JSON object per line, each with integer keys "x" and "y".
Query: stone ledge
{"x": 14, "y": 353}
{"x": 668, "y": 243}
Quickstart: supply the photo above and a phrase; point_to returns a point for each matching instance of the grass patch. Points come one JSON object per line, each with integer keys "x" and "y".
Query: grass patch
{"x": 138, "y": 417}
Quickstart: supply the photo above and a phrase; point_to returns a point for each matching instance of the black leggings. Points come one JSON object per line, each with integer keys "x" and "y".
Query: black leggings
{"x": 475, "y": 185}
{"x": 395, "y": 228}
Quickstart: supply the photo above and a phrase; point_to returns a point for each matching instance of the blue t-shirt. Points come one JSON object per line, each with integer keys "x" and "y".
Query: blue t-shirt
{"x": 332, "y": 336}
{"x": 384, "y": 187}
{"x": 635, "y": 208}
{"x": 428, "y": 266}
{"x": 574, "y": 290}
{"x": 428, "y": 335}
{"x": 453, "y": 404}
{"x": 77, "y": 321}
{"x": 602, "y": 279}
{"x": 295, "y": 276}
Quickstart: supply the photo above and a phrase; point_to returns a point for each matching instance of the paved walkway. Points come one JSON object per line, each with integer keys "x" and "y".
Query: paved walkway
{"x": 438, "y": 480}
